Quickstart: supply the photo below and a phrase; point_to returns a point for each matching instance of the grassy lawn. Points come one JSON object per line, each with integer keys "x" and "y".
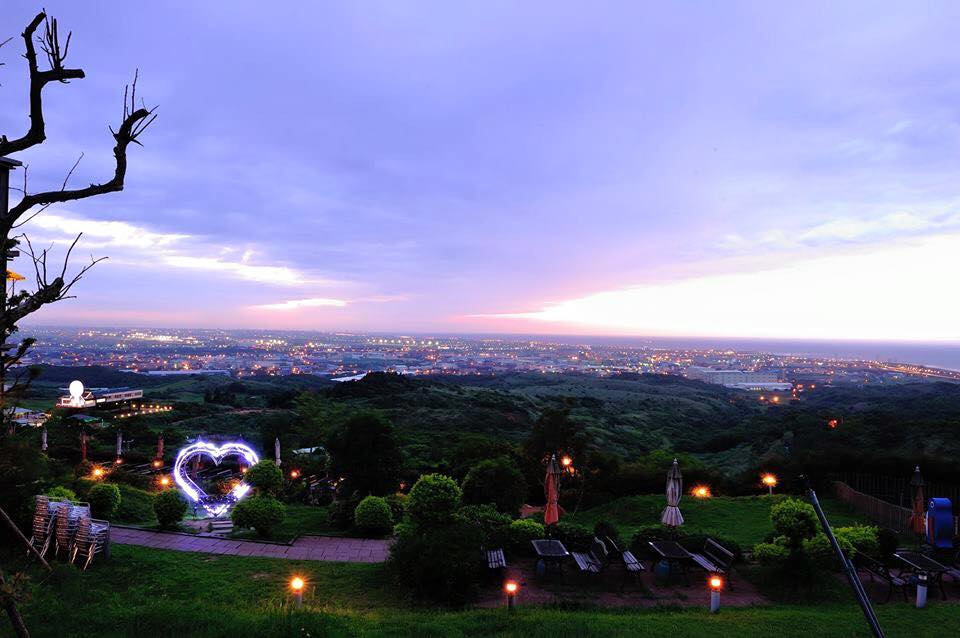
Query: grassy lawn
{"x": 743, "y": 519}
{"x": 300, "y": 520}
{"x": 157, "y": 593}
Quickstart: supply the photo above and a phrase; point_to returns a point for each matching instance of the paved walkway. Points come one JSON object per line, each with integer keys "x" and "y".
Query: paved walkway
{"x": 327, "y": 548}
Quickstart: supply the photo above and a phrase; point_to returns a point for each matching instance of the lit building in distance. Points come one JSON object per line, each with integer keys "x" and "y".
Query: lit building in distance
{"x": 739, "y": 379}
{"x": 81, "y": 397}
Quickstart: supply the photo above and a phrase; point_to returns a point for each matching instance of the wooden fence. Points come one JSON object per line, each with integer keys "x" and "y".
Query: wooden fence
{"x": 879, "y": 511}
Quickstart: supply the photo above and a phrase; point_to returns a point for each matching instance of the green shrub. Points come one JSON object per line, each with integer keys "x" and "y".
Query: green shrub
{"x": 574, "y": 537}
{"x": 496, "y": 481}
{"x": 441, "y": 564}
{"x": 169, "y": 508}
{"x": 774, "y": 554}
{"x": 433, "y": 501}
{"x": 819, "y": 553}
{"x": 104, "y": 499}
{"x": 61, "y": 492}
{"x": 398, "y": 505}
{"x": 862, "y": 538}
{"x": 262, "y": 513}
{"x": 373, "y": 516}
{"x": 795, "y": 520}
{"x": 265, "y": 477}
{"x": 493, "y": 526}
{"x": 887, "y": 542}
{"x": 522, "y": 531}
{"x": 82, "y": 487}
{"x": 341, "y": 511}
{"x": 136, "y": 505}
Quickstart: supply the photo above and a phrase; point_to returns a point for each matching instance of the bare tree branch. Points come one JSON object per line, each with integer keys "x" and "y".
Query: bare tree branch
{"x": 50, "y": 44}
{"x": 135, "y": 122}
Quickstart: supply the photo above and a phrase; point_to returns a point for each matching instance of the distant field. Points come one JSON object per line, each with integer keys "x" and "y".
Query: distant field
{"x": 745, "y": 520}
{"x": 157, "y": 593}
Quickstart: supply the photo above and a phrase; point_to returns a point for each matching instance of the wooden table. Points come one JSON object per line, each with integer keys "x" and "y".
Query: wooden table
{"x": 552, "y": 553}
{"x": 917, "y": 563}
{"x": 675, "y": 556}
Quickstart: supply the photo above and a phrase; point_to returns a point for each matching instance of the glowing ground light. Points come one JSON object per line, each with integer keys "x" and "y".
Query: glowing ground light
{"x": 769, "y": 480}
{"x": 715, "y": 582}
{"x": 701, "y": 491}
{"x": 296, "y": 584}
{"x": 215, "y": 507}
{"x": 566, "y": 461}
{"x": 97, "y": 472}
{"x": 294, "y": 473}
{"x": 511, "y": 587}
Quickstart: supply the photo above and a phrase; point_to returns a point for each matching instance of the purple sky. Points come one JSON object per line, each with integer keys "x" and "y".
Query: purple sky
{"x": 736, "y": 169}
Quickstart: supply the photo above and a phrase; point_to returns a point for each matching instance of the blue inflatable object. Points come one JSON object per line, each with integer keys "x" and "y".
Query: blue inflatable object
{"x": 940, "y": 523}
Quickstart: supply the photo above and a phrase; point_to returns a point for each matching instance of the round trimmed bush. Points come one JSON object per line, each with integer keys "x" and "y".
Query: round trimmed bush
{"x": 104, "y": 499}
{"x": 493, "y": 526}
{"x": 795, "y": 520}
{"x": 169, "y": 507}
{"x": 442, "y": 564}
{"x": 433, "y": 501}
{"x": 373, "y": 516}
{"x": 265, "y": 477}
{"x": 773, "y": 554}
{"x": 524, "y": 530}
{"x": 61, "y": 492}
{"x": 262, "y": 513}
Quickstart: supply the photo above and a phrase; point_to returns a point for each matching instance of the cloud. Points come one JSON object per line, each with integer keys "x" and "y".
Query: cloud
{"x": 297, "y": 304}
{"x": 106, "y": 233}
{"x": 895, "y": 292}
{"x": 175, "y": 250}
{"x": 848, "y": 230}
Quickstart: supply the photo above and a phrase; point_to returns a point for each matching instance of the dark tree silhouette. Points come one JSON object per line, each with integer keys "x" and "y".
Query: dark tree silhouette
{"x": 51, "y": 284}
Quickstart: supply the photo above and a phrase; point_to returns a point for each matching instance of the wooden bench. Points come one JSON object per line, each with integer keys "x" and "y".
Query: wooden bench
{"x": 594, "y": 560}
{"x": 495, "y": 558}
{"x": 876, "y": 569}
{"x": 715, "y": 559}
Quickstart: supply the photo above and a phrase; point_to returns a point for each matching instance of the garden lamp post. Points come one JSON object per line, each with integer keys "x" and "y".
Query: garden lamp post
{"x": 296, "y": 584}
{"x": 770, "y": 481}
{"x": 511, "y": 587}
{"x": 715, "y": 582}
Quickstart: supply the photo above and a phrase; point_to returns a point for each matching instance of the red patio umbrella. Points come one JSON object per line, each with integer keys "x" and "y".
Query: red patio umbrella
{"x": 918, "y": 522}
{"x": 551, "y": 488}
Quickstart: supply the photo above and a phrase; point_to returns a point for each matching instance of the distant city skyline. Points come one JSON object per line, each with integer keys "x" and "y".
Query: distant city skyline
{"x": 739, "y": 170}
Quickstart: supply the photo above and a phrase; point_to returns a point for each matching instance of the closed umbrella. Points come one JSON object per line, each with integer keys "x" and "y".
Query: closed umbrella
{"x": 551, "y": 488}
{"x": 671, "y": 516}
{"x": 918, "y": 523}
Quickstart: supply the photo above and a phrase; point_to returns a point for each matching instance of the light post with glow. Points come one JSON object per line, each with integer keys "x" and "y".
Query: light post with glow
{"x": 511, "y": 587}
{"x": 715, "y": 582}
{"x": 296, "y": 585}
{"x": 770, "y": 481}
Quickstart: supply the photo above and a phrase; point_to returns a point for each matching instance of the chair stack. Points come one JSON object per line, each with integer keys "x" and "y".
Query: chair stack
{"x": 70, "y": 529}
{"x": 42, "y": 525}
{"x": 90, "y": 539}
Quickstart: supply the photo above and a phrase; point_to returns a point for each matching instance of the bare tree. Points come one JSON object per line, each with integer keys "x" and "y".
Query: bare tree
{"x": 56, "y": 282}
{"x": 55, "y": 285}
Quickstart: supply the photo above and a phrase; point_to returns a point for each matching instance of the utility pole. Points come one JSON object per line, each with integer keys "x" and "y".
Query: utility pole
{"x": 6, "y": 165}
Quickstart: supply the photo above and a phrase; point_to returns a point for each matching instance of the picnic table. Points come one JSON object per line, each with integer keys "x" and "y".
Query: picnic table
{"x": 917, "y": 563}
{"x": 675, "y": 556}
{"x": 551, "y": 554}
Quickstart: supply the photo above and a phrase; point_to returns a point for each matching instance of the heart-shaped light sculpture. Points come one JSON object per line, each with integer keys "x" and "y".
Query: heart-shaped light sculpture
{"x": 194, "y": 492}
